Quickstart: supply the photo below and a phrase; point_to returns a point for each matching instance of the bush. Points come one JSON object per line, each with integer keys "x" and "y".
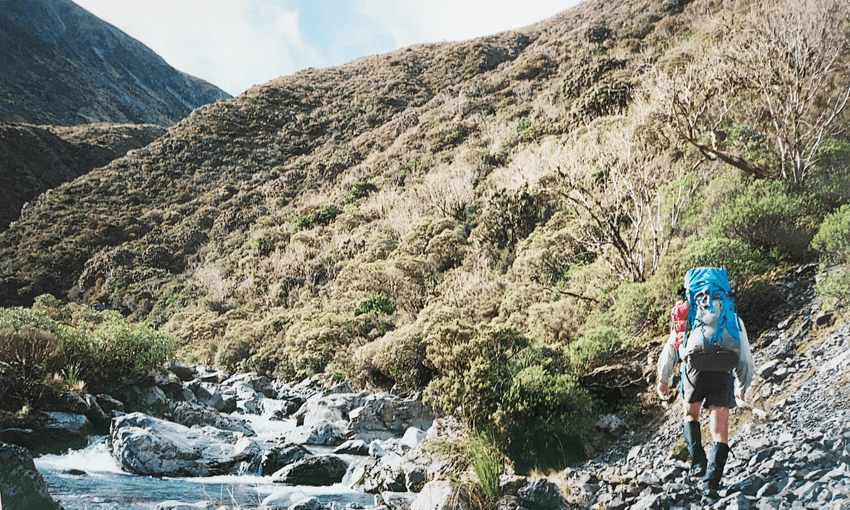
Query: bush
{"x": 770, "y": 218}
{"x": 30, "y": 350}
{"x": 737, "y": 257}
{"x": 493, "y": 379}
{"x": 397, "y": 358}
{"x": 550, "y": 423}
{"x": 358, "y": 190}
{"x": 29, "y": 354}
{"x": 593, "y": 345}
{"x": 833, "y": 242}
{"x": 118, "y": 354}
{"x": 322, "y": 217}
{"x": 375, "y": 303}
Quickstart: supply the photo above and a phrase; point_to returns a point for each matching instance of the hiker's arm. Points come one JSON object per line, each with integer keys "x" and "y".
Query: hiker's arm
{"x": 666, "y": 362}
{"x": 746, "y": 367}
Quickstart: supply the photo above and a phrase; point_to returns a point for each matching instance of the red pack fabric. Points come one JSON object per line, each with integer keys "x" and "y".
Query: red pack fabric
{"x": 679, "y": 320}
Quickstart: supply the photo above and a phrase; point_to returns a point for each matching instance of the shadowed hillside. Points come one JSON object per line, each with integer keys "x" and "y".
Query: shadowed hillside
{"x": 59, "y": 64}
{"x": 37, "y": 158}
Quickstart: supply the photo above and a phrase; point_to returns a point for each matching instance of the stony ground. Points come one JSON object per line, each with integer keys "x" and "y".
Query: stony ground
{"x": 796, "y": 458}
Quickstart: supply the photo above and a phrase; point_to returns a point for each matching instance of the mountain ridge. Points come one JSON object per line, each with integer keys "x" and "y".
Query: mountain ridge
{"x": 62, "y": 65}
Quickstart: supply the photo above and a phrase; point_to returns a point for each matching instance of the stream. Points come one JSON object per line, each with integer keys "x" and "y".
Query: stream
{"x": 90, "y": 479}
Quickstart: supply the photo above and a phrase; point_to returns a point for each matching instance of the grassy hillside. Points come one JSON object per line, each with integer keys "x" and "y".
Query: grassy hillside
{"x": 490, "y": 218}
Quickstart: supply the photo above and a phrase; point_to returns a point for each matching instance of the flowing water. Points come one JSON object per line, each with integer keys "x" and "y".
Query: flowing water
{"x": 90, "y": 479}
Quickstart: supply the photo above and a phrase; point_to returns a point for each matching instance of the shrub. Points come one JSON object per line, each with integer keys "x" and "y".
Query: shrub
{"x": 30, "y": 354}
{"x": 771, "y": 218}
{"x": 118, "y": 354}
{"x": 323, "y": 217}
{"x": 30, "y": 349}
{"x": 549, "y": 423}
{"x": 375, "y": 303}
{"x": 833, "y": 242}
{"x": 492, "y": 378}
{"x": 398, "y": 358}
{"x": 358, "y": 190}
{"x": 737, "y": 257}
{"x": 592, "y": 345}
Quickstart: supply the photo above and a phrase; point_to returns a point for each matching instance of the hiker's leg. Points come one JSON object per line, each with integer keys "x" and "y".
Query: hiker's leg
{"x": 693, "y": 439}
{"x": 719, "y": 453}
{"x": 719, "y": 424}
{"x": 692, "y": 411}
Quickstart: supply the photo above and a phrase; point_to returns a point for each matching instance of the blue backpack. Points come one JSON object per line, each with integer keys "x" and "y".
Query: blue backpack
{"x": 712, "y": 340}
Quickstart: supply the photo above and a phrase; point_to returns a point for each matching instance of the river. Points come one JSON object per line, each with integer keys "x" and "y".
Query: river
{"x": 90, "y": 479}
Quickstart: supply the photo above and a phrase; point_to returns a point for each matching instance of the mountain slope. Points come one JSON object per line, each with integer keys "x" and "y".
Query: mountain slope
{"x": 37, "y": 158}
{"x": 342, "y": 219}
{"x": 62, "y": 65}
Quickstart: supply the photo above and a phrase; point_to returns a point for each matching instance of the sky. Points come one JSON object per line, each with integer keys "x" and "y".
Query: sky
{"x": 235, "y": 44}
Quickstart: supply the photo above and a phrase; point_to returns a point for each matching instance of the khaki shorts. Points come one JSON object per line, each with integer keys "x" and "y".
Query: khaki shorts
{"x": 714, "y": 389}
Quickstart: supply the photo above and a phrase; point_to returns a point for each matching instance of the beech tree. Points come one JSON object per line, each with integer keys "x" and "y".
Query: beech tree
{"x": 771, "y": 89}
{"x": 625, "y": 196}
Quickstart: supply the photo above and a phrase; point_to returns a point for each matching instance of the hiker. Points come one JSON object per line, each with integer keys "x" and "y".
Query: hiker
{"x": 721, "y": 380}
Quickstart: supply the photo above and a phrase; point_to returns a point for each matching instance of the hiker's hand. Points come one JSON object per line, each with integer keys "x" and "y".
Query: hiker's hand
{"x": 663, "y": 390}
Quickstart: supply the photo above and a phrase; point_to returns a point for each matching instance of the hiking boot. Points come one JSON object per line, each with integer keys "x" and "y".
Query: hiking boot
{"x": 693, "y": 438}
{"x": 714, "y": 472}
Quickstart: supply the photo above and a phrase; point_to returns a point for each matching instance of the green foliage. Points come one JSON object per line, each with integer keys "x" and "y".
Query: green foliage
{"x": 550, "y": 419}
{"x": 592, "y": 345}
{"x": 636, "y": 307}
{"x": 117, "y": 354}
{"x": 376, "y": 303}
{"x": 737, "y": 257}
{"x": 486, "y": 461}
{"x": 100, "y": 348}
{"x": 770, "y": 217}
{"x": 322, "y": 217}
{"x": 833, "y": 243}
{"x": 523, "y": 124}
{"x": 358, "y": 190}
{"x": 493, "y": 377}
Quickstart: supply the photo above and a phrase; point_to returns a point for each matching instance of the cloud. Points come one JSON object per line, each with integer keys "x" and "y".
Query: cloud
{"x": 230, "y": 44}
{"x": 238, "y": 43}
{"x": 419, "y": 21}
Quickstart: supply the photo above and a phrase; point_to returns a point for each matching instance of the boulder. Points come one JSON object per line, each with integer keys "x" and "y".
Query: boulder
{"x": 542, "y": 494}
{"x": 190, "y": 415}
{"x": 283, "y": 498}
{"x": 183, "y": 372}
{"x": 110, "y": 406}
{"x": 319, "y": 433}
{"x": 278, "y": 457}
{"x": 352, "y": 447}
{"x": 333, "y": 408}
{"x": 380, "y": 475}
{"x": 383, "y": 416}
{"x": 612, "y": 424}
{"x": 314, "y": 471}
{"x": 441, "y": 495}
{"x": 307, "y": 504}
{"x": 149, "y": 446}
{"x": 396, "y": 500}
{"x": 96, "y": 415}
{"x": 21, "y": 485}
{"x": 65, "y": 430}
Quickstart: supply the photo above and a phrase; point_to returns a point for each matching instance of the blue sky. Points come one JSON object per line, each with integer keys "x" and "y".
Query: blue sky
{"x": 238, "y": 43}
